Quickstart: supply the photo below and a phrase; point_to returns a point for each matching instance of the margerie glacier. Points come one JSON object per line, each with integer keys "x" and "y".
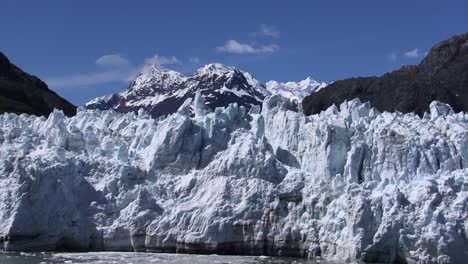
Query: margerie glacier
{"x": 348, "y": 184}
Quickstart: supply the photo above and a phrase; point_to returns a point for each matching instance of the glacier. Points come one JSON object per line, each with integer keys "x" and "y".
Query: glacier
{"x": 348, "y": 184}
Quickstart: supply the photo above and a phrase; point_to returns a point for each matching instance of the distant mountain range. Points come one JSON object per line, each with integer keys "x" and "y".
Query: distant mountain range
{"x": 24, "y": 93}
{"x": 161, "y": 91}
{"x": 295, "y": 90}
{"x": 441, "y": 76}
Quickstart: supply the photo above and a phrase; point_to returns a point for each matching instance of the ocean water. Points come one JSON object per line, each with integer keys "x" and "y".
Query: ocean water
{"x": 143, "y": 258}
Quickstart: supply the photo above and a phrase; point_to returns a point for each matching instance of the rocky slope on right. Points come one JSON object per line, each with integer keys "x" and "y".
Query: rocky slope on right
{"x": 442, "y": 76}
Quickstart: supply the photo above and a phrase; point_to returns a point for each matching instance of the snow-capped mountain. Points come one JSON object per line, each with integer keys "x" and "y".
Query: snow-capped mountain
{"x": 222, "y": 85}
{"x": 154, "y": 85}
{"x": 349, "y": 184}
{"x": 160, "y": 91}
{"x": 295, "y": 90}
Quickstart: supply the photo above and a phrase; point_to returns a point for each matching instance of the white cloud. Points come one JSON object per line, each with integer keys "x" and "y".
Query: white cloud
{"x": 267, "y": 31}
{"x": 412, "y": 53}
{"x": 235, "y": 47}
{"x": 112, "y": 60}
{"x": 91, "y": 79}
{"x": 162, "y": 60}
{"x": 194, "y": 60}
{"x": 116, "y": 74}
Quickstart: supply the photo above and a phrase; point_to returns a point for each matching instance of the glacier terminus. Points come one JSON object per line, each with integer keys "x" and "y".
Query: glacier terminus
{"x": 347, "y": 184}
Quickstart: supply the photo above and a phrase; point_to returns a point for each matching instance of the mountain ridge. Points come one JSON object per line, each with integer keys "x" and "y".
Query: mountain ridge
{"x": 295, "y": 90}
{"x": 21, "y": 92}
{"x": 218, "y": 83}
{"x": 442, "y": 75}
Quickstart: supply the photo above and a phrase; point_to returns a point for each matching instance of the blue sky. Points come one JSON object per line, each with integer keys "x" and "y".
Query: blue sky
{"x": 84, "y": 49}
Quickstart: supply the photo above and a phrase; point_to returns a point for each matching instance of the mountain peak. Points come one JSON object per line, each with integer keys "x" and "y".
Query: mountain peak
{"x": 161, "y": 91}
{"x": 295, "y": 90}
{"x": 153, "y": 67}
{"x": 215, "y": 69}
{"x": 157, "y": 75}
{"x": 157, "y": 69}
{"x": 307, "y": 81}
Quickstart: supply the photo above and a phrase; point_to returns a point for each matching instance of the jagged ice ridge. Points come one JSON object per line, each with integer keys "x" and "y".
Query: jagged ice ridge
{"x": 347, "y": 184}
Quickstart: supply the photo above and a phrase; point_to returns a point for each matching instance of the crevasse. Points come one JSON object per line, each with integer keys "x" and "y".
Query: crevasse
{"x": 348, "y": 184}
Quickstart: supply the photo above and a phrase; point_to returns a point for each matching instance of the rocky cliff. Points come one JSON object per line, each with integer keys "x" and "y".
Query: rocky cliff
{"x": 24, "y": 93}
{"x": 442, "y": 75}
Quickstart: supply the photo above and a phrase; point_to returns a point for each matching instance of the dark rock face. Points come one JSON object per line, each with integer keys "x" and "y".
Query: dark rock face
{"x": 441, "y": 76}
{"x": 24, "y": 93}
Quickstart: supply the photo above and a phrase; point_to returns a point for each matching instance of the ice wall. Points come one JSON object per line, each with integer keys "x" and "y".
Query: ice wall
{"x": 347, "y": 184}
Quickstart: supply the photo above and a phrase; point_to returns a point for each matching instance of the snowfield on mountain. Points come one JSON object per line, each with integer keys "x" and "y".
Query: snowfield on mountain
{"x": 347, "y": 184}
{"x": 160, "y": 91}
{"x": 295, "y": 90}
